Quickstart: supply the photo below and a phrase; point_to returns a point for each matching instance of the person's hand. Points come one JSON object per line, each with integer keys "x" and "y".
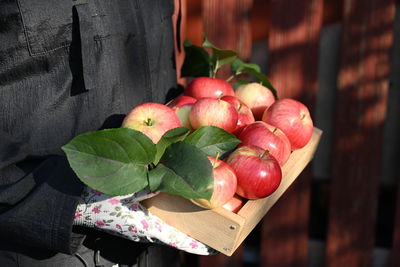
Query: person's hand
{"x": 124, "y": 216}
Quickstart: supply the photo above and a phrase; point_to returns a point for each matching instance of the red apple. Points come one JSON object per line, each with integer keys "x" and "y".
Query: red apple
{"x": 267, "y": 137}
{"x": 224, "y": 185}
{"x": 152, "y": 119}
{"x": 256, "y": 96}
{"x": 245, "y": 115}
{"x": 215, "y": 112}
{"x": 181, "y": 101}
{"x": 208, "y": 87}
{"x": 293, "y": 118}
{"x": 258, "y": 173}
{"x": 235, "y": 204}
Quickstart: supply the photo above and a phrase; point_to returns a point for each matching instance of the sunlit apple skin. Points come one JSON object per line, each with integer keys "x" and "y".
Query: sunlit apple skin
{"x": 245, "y": 115}
{"x": 269, "y": 138}
{"x": 256, "y": 96}
{"x": 258, "y": 173}
{"x": 235, "y": 204}
{"x": 225, "y": 184}
{"x": 152, "y": 119}
{"x": 293, "y": 118}
{"x": 214, "y": 112}
{"x": 208, "y": 87}
{"x": 181, "y": 101}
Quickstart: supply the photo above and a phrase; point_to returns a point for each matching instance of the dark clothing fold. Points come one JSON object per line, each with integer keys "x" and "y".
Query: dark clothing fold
{"x": 68, "y": 67}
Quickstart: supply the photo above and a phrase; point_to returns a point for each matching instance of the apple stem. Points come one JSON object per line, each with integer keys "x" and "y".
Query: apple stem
{"x": 275, "y": 130}
{"x": 213, "y": 71}
{"x": 216, "y": 159}
{"x": 303, "y": 116}
{"x": 217, "y": 156}
{"x": 148, "y": 122}
{"x": 230, "y": 78}
{"x": 266, "y": 152}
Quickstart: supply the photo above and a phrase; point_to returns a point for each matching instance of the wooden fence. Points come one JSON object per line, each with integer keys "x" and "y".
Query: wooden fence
{"x": 347, "y": 197}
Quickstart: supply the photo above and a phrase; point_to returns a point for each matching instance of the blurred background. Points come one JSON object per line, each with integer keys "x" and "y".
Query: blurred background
{"x": 342, "y": 59}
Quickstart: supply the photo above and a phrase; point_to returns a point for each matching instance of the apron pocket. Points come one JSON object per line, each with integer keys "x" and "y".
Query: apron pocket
{"x": 47, "y": 24}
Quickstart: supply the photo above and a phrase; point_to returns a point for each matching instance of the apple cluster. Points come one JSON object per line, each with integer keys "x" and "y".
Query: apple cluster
{"x": 269, "y": 130}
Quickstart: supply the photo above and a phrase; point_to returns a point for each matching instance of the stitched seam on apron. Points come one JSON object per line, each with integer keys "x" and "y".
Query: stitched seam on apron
{"x": 145, "y": 57}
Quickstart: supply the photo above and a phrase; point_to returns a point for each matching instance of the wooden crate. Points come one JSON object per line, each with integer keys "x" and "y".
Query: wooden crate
{"x": 221, "y": 229}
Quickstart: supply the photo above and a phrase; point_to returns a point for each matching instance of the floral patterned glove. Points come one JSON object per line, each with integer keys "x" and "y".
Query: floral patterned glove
{"x": 124, "y": 216}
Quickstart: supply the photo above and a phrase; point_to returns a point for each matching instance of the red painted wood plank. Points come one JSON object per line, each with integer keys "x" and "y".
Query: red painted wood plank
{"x": 361, "y": 107}
{"x": 227, "y": 25}
{"x": 259, "y": 20}
{"x": 293, "y": 47}
{"x": 194, "y": 21}
{"x": 293, "y": 58}
{"x": 332, "y": 11}
{"x": 284, "y": 240}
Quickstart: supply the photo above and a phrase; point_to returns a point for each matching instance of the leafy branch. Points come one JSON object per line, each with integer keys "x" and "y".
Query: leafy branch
{"x": 123, "y": 161}
{"x": 200, "y": 63}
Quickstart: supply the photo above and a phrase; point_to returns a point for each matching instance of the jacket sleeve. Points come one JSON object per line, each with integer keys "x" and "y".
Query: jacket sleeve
{"x": 38, "y": 199}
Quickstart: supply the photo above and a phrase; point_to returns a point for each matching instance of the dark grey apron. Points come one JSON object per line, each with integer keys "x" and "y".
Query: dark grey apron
{"x": 68, "y": 67}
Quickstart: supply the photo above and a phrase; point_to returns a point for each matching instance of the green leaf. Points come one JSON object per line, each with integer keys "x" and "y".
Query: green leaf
{"x": 183, "y": 170}
{"x": 112, "y": 161}
{"x": 197, "y": 61}
{"x": 219, "y": 57}
{"x": 240, "y": 67}
{"x": 170, "y": 137}
{"x": 213, "y": 140}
